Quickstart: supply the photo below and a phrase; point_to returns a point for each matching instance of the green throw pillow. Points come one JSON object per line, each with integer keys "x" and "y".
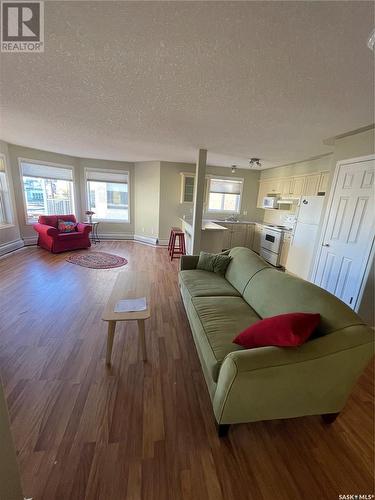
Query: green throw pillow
{"x": 213, "y": 262}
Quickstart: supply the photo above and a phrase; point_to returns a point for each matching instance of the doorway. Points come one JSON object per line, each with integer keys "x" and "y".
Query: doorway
{"x": 348, "y": 231}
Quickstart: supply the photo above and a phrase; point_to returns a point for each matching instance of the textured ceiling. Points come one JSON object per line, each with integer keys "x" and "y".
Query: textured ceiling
{"x": 156, "y": 80}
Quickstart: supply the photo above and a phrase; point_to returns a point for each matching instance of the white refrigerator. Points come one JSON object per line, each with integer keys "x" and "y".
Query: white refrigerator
{"x": 304, "y": 237}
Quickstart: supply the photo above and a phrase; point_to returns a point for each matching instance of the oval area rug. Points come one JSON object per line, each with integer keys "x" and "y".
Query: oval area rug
{"x": 97, "y": 260}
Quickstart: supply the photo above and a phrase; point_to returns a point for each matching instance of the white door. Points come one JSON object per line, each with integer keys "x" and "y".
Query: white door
{"x": 348, "y": 232}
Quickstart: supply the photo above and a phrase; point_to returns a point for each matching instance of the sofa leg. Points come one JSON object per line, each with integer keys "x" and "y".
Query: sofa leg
{"x": 329, "y": 418}
{"x": 222, "y": 430}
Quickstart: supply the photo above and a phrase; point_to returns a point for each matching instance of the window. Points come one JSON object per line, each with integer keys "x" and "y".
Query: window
{"x": 5, "y": 203}
{"x": 108, "y": 194}
{"x": 48, "y": 189}
{"x": 224, "y": 195}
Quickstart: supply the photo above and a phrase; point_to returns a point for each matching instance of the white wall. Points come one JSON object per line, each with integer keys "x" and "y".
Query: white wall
{"x": 147, "y": 200}
{"x": 9, "y": 235}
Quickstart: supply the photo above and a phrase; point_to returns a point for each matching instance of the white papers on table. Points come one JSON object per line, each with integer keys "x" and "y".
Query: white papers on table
{"x": 131, "y": 305}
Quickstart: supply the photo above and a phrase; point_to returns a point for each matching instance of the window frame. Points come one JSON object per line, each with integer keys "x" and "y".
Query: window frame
{"x": 7, "y": 204}
{"x": 48, "y": 164}
{"x": 221, "y": 178}
{"x": 86, "y": 189}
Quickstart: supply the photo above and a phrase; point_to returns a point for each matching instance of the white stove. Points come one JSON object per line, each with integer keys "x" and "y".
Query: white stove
{"x": 271, "y": 243}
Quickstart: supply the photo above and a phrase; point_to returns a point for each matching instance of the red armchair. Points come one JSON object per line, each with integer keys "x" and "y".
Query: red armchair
{"x": 50, "y": 238}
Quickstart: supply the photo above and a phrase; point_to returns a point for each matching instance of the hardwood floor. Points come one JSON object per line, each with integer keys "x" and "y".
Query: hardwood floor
{"x": 146, "y": 431}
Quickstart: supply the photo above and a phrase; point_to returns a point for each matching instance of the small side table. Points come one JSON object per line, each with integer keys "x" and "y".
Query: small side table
{"x": 94, "y": 234}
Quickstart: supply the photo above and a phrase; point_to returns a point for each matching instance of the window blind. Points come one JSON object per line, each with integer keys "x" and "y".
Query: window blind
{"x": 103, "y": 176}
{"x": 225, "y": 186}
{"x": 46, "y": 171}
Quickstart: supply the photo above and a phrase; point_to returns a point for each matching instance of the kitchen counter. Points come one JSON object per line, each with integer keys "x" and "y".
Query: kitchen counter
{"x": 219, "y": 221}
{"x": 207, "y": 225}
{"x": 212, "y": 235}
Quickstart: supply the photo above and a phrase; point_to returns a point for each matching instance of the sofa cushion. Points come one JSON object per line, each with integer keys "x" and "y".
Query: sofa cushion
{"x": 244, "y": 265}
{"x": 272, "y": 292}
{"x": 75, "y": 235}
{"x": 206, "y": 284}
{"x": 217, "y": 320}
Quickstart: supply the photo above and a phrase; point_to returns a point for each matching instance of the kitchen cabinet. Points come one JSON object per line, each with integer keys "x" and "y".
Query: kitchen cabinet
{"x": 311, "y": 185}
{"x": 249, "y": 235}
{"x": 238, "y": 235}
{"x": 275, "y": 186}
{"x": 235, "y": 236}
{"x": 323, "y": 182}
{"x": 264, "y": 190}
{"x": 298, "y": 185}
{"x": 286, "y": 186}
{"x": 285, "y": 248}
{"x": 187, "y": 188}
{"x": 257, "y": 238}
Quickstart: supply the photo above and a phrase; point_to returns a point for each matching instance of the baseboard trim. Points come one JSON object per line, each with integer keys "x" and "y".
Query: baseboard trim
{"x": 115, "y": 236}
{"x": 11, "y": 246}
{"x": 30, "y": 240}
{"x": 145, "y": 239}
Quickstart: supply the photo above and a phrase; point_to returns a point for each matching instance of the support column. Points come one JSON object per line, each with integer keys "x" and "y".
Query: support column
{"x": 200, "y": 179}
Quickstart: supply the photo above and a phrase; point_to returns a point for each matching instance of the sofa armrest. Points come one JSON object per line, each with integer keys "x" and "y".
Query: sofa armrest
{"x": 340, "y": 340}
{"x": 270, "y": 383}
{"x": 44, "y": 229}
{"x": 84, "y": 228}
{"x": 188, "y": 262}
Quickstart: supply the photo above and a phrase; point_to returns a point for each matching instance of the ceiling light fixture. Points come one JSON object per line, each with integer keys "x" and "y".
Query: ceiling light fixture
{"x": 234, "y": 167}
{"x": 371, "y": 40}
{"x": 255, "y": 163}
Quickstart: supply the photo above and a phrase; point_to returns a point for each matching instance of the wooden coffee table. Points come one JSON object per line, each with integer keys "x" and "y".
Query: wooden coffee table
{"x": 128, "y": 285}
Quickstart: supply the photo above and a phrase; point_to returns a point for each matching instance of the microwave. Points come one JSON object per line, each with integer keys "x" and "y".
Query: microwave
{"x": 270, "y": 202}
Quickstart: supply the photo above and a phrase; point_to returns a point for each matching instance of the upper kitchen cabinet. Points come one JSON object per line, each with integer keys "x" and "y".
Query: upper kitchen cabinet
{"x": 187, "y": 188}
{"x": 323, "y": 183}
{"x": 287, "y": 186}
{"x": 264, "y": 190}
{"x": 298, "y": 185}
{"x": 311, "y": 185}
{"x": 275, "y": 186}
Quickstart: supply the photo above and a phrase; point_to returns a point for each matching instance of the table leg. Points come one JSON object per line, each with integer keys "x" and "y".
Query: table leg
{"x": 141, "y": 332}
{"x": 110, "y": 337}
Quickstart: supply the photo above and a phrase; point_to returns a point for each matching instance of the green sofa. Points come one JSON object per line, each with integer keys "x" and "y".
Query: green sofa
{"x": 247, "y": 385}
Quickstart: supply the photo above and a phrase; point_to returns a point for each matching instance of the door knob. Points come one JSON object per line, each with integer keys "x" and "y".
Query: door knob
{"x": 325, "y": 245}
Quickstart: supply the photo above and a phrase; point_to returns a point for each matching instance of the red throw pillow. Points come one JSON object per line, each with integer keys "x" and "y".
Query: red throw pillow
{"x": 285, "y": 330}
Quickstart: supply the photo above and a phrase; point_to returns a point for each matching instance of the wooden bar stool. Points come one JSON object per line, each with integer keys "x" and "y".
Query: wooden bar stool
{"x": 173, "y": 229}
{"x": 178, "y": 249}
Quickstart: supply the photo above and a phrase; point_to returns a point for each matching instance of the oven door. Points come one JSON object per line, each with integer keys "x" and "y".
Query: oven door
{"x": 271, "y": 257}
{"x": 271, "y": 240}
